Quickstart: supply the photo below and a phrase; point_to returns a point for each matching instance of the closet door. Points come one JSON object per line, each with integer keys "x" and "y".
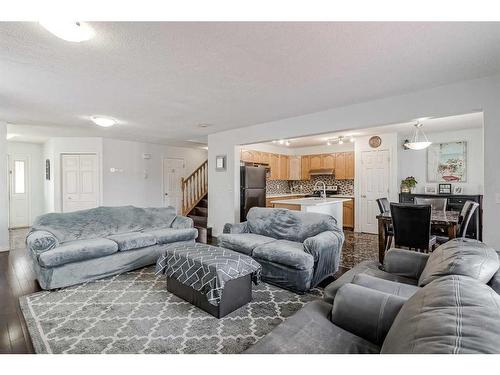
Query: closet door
{"x": 80, "y": 187}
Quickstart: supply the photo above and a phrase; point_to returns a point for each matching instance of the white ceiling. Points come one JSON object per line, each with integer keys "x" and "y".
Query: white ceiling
{"x": 450, "y": 123}
{"x": 160, "y": 80}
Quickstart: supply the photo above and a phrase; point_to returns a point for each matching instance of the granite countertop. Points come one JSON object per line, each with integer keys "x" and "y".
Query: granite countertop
{"x": 312, "y": 201}
{"x": 284, "y": 195}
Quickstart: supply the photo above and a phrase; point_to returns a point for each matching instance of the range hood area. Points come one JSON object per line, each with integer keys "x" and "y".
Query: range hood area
{"x": 322, "y": 172}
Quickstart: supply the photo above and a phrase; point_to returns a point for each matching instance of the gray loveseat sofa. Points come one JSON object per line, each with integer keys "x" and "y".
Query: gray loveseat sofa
{"x": 72, "y": 248}
{"x": 451, "y": 308}
{"x": 297, "y": 250}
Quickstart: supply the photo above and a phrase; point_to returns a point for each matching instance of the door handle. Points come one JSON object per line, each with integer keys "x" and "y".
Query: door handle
{"x": 166, "y": 194}
{"x": 363, "y": 196}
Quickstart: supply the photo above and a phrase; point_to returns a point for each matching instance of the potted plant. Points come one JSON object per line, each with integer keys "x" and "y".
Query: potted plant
{"x": 408, "y": 184}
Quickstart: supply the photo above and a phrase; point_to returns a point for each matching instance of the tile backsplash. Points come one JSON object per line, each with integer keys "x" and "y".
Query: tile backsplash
{"x": 345, "y": 187}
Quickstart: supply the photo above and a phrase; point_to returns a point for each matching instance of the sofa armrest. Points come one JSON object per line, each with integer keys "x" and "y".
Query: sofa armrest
{"x": 39, "y": 241}
{"x": 326, "y": 248}
{"x": 236, "y": 228}
{"x": 365, "y": 312}
{"x": 405, "y": 263}
{"x": 182, "y": 222}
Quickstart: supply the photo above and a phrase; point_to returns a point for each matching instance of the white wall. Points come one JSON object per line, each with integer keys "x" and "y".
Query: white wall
{"x": 460, "y": 98}
{"x": 414, "y": 163}
{"x": 4, "y": 199}
{"x": 320, "y": 149}
{"x": 37, "y": 173}
{"x": 130, "y": 185}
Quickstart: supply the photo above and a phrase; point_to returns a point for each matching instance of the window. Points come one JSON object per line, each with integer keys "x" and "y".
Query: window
{"x": 19, "y": 180}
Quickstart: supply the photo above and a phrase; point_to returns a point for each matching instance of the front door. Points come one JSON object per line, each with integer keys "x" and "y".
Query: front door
{"x": 173, "y": 171}
{"x": 80, "y": 185}
{"x": 19, "y": 194}
{"x": 374, "y": 184}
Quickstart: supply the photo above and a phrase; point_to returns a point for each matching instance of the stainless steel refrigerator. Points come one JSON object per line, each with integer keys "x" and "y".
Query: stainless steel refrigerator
{"x": 252, "y": 189}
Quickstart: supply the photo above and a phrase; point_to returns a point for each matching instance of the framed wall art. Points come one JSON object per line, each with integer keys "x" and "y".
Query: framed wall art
{"x": 447, "y": 162}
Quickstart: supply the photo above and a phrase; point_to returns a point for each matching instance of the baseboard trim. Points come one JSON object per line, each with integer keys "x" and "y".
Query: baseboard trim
{"x": 4, "y": 249}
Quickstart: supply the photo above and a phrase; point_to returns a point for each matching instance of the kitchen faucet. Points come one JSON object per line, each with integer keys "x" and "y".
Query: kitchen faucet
{"x": 323, "y": 194}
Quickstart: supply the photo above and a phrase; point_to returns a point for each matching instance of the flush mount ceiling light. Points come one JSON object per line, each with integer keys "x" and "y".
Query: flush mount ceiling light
{"x": 10, "y": 136}
{"x": 204, "y": 125}
{"x": 105, "y": 122}
{"x": 418, "y": 140}
{"x": 69, "y": 31}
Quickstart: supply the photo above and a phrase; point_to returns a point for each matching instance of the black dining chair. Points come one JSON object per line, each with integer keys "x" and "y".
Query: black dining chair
{"x": 384, "y": 206}
{"x": 463, "y": 221}
{"x": 412, "y": 226}
{"x": 437, "y": 204}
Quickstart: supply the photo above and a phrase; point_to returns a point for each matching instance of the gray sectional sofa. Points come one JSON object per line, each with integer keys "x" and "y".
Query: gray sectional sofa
{"x": 72, "y": 248}
{"x": 446, "y": 302}
{"x": 297, "y": 250}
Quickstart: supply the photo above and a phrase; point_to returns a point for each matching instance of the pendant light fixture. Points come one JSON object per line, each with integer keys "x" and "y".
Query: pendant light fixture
{"x": 418, "y": 140}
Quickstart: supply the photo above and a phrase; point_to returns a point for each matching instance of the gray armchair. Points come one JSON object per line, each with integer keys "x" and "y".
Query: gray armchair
{"x": 297, "y": 250}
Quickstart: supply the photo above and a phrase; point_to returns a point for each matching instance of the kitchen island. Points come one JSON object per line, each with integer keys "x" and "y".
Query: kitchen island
{"x": 330, "y": 206}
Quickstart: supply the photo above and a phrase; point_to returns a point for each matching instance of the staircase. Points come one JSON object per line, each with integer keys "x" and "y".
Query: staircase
{"x": 195, "y": 200}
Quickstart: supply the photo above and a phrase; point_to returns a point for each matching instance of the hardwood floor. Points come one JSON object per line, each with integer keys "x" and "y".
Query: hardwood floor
{"x": 17, "y": 278}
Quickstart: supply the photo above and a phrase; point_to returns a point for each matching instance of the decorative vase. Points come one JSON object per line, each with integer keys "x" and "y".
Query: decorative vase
{"x": 405, "y": 189}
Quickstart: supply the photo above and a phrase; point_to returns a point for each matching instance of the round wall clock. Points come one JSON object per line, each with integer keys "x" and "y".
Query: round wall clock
{"x": 375, "y": 141}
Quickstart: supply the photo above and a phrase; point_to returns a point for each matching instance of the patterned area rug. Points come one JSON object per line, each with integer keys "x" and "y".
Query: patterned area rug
{"x": 134, "y": 313}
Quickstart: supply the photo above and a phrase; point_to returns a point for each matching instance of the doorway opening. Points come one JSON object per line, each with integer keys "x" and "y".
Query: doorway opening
{"x": 173, "y": 172}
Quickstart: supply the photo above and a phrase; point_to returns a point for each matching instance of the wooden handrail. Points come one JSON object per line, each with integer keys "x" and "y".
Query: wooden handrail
{"x": 194, "y": 187}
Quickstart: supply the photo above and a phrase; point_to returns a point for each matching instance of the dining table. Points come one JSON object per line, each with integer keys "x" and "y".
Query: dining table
{"x": 439, "y": 219}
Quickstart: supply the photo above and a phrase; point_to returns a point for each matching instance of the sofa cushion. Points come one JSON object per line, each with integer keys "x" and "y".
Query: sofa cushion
{"x": 169, "y": 235}
{"x": 368, "y": 267}
{"x": 386, "y": 286}
{"x": 310, "y": 331}
{"x": 451, "y": 315}
{"x": 102, "y": 222}
{"x": 366, "y": 312}
{"x": 133, "y": 240}
{"x": 76, "y": 251}
{"x": 289, "y": 225}
{"x": 288, "y": 253}
{"x": 461, "y": 257}
{"x": 243, "y": 242}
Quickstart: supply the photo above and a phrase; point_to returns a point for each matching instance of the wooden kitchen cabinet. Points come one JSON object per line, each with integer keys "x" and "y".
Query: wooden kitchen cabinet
{"x": 247, "y": 156}
{"x": 274, "y": 165}
{"x": 283, "y": 167}
{"x": 305, "y": 166}
{"x": 349, "y": 166}
{"x": 340, "y": 170}
{"x": 264, "y": 157}
{"x": 315, "y": 161}
{"x": 348, "y": 214}
{"x": 294, "y": 170}
{"x": 328, "y": 161}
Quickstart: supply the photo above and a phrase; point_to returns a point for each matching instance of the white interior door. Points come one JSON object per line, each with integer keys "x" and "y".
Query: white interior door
{"x": 19, "y": 194}
{"x": 80, "y": 185}
{"x": 374, "y": 184}
{"x": 173, "y": 171}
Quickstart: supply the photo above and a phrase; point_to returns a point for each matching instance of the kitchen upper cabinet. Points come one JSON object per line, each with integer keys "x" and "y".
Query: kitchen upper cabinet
{"x": 328, "y": 161}
{"x": 305, "y": 166}
{"x": 349, "y": 166}
{"x": 274, "y": 164}
{"x": 294, "y": 170}
{"x": 283, "y": 167}
{"x": 247, "y": 156}
{"x": 264, "y": 157}
{"x": 315, "y": 161}
{"x": 340, "y": 170}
